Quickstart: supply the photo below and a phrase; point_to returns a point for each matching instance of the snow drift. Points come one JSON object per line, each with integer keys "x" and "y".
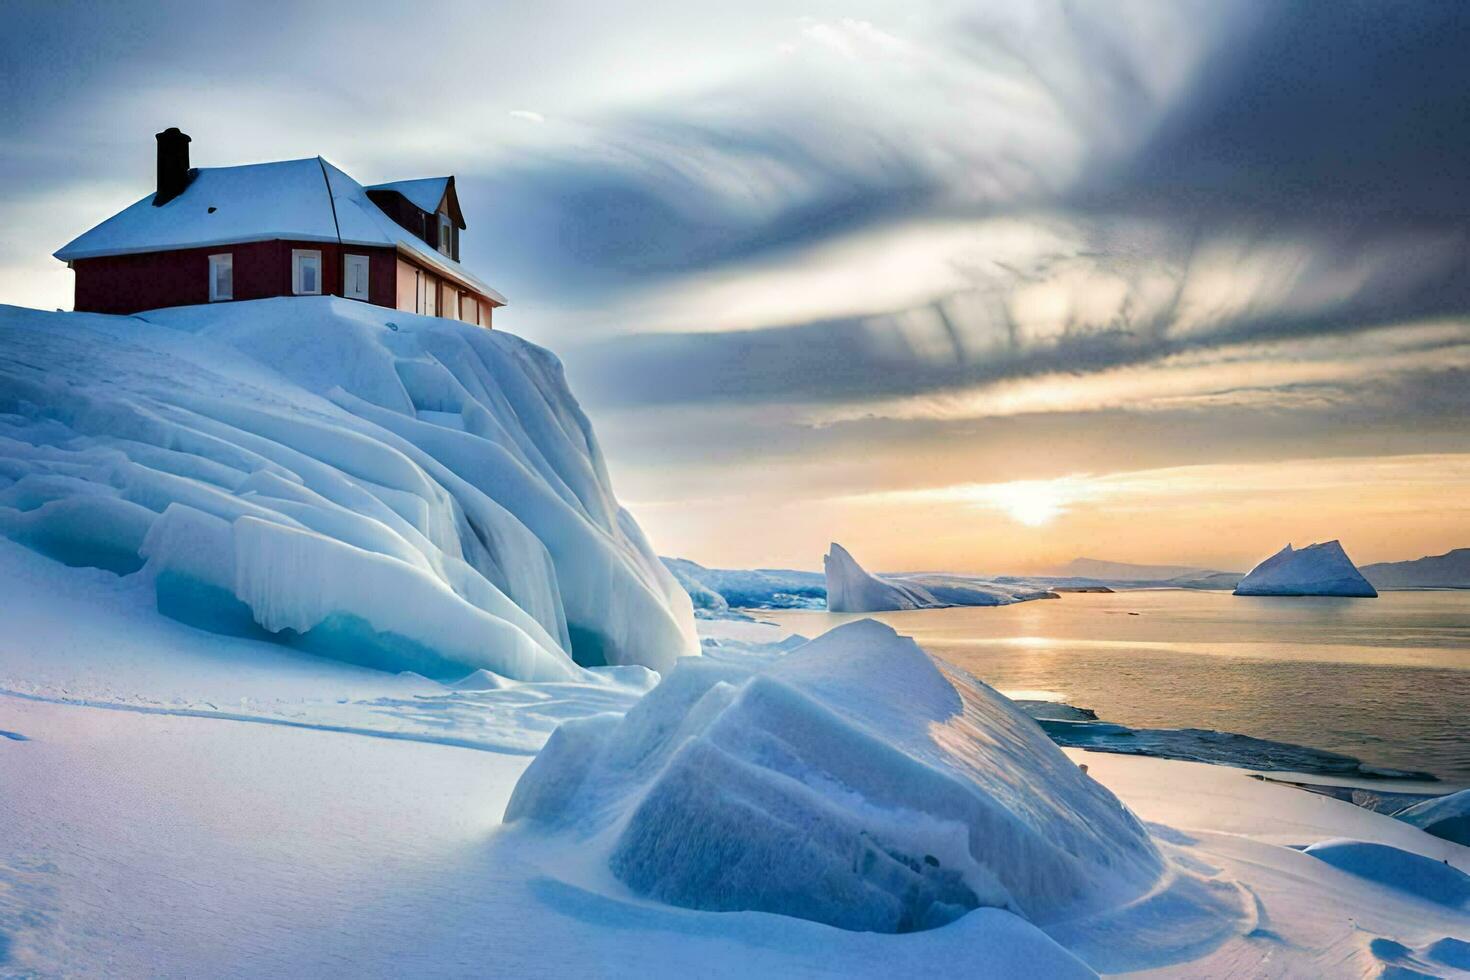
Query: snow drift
{"x": 1318, "y": 569}
{"x": 1401, "y": 870}
{"x": 405, "y": 492}
{"x": 1447, "y": 817}
{"x": 848, "y": 783}
{"x": 850, "y": 588}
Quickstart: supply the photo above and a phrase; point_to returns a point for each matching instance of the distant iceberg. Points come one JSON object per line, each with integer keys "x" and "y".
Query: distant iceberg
{"x": 850, "y": 588}
{"x": 1318, "y": 569}
{"x": 715, "y": 591}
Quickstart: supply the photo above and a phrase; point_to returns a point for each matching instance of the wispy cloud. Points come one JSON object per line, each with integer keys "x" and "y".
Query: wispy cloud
{"x": 864, "y": 246}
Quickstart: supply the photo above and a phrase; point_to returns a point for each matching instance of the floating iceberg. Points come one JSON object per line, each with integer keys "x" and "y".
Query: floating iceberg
{"x": 404, "y": 492}
{"x": 1318, "y": 569}
{"x": 850, "y": 783}
{"x": 850, "y": 588}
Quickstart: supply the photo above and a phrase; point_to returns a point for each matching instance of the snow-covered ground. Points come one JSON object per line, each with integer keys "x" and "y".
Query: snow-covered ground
{"x": 389, "y": 566}
{"x": 174, "y": 826}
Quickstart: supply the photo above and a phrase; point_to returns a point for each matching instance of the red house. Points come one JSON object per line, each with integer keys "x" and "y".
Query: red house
{"x": 293, "y": 228}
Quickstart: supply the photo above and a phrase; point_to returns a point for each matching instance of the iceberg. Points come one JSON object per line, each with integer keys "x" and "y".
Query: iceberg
{"x": 1318, "y": 569}
{"x": 851, "y": 782}
{"x": 850, "y": 588}
{"x": 398, "y": 491}
{"x": 716, "y": 590}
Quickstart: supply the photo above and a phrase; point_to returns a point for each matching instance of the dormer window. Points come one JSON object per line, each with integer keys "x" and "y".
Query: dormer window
{"x": 446, "y": 235}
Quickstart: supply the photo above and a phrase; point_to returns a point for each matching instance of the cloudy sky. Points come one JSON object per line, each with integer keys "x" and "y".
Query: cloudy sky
{"x": 973, "y": 286}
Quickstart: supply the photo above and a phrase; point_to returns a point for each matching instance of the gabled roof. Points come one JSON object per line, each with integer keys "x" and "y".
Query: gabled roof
{"x": 426, "y": 194}
{"x": 299, "y": 200}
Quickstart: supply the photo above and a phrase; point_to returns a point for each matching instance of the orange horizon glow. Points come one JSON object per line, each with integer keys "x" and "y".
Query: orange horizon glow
{"x": 1221, "y": 516}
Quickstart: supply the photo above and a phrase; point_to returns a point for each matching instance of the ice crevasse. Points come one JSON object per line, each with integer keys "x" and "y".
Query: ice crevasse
{"x": 405, "y": 492}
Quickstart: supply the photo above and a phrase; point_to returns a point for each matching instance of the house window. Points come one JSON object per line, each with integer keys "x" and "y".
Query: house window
{"x": 306, "y": 272}
{"x": 355, "y": 276}
{"x": 446, "y": 236}
{"x": 221, "y": 277}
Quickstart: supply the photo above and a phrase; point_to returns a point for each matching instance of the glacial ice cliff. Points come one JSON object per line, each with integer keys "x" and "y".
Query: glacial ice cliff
{"x": 404, "y": 492}
{"x": 1318, "y": 569}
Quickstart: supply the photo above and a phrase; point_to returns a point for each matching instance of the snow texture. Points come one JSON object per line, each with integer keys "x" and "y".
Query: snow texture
{"x": 850, "y": 783}
{"x": 1400, "y": 870}
{"x": 279, "y": 469}
{"x": 852, "y": 589}
{"x": 1318, "y": 569}
{"x": 1447, "y": 817}
{"x": 306, "y": 200}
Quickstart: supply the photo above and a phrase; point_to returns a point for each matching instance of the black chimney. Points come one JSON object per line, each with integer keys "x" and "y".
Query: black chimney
{"x": 173, "y": 165}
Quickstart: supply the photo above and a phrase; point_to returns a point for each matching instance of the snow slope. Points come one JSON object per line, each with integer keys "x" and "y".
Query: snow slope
{"x": 135, "y": 842}
{"x": 850, "y": 588}
{"x": 402, "y": 492}
{"x": 1318, "y": 569}
{"x": 920, "y": 796}
{"x": 1445, "y": 816}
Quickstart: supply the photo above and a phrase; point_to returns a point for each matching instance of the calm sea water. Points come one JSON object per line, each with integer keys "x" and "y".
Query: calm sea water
{"x": 1386, "y": 680}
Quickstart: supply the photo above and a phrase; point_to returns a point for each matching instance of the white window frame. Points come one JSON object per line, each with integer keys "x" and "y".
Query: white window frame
{"x": 297, "y": 255}
{"x": 348, "y": 261}
{"x": 446, "y": 235}
{"x": 224, "y": 260}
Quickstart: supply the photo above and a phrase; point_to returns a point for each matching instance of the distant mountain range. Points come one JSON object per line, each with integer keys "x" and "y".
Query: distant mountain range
{"x": 1450, "y": 570}
{"x": 1122, "y": 571}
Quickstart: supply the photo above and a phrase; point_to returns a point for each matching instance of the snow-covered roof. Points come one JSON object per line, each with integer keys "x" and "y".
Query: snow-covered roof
{"x": 297, "y": 200}
{"x": 424, "y": 193}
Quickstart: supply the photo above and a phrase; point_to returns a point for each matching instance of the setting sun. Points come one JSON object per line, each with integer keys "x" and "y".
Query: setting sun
{"x": 1029, "y": 502}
